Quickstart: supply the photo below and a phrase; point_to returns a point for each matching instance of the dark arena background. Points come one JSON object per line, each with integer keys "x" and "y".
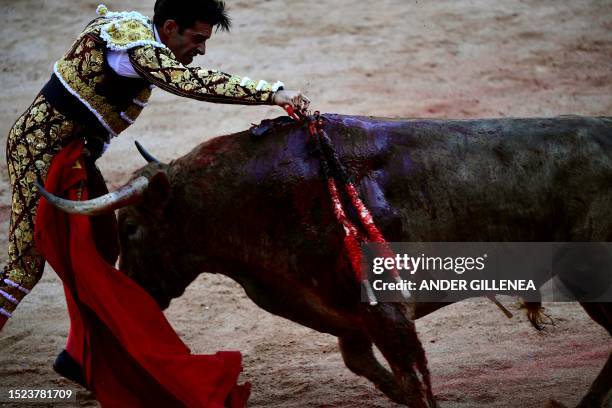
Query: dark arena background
{"x": 390, "y": 58}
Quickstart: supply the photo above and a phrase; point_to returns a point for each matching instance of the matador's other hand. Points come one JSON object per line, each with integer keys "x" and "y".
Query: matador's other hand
{"x": 298, "y": 101}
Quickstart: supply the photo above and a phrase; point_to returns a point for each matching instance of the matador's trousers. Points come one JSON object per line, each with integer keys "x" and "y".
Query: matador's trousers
{"x": 37, "y": 136}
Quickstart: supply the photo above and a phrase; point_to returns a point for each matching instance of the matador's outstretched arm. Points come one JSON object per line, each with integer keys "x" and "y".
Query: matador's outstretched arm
{"x": 160, "y": 67}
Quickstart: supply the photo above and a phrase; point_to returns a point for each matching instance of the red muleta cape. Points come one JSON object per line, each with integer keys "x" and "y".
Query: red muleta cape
{"x": 131, "y": 356}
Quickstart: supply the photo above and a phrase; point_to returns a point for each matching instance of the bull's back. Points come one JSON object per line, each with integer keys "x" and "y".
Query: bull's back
{"x": 536, "y": 179}
{"x": 505, "y": 179}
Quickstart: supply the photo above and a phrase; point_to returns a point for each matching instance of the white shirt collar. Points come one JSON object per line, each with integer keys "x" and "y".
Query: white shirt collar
{"x": 156, "y": 34}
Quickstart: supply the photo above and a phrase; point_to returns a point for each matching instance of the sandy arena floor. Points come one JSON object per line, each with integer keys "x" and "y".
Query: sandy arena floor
{"x": 393, "y": 58}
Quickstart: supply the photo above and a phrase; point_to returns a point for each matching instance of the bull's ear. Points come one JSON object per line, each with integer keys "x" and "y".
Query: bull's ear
{"x": 159, "y": 191}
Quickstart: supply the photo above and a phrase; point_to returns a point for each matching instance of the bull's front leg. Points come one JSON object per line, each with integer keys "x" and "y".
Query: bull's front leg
{"x": 391, "y": 328}
{"x": 359, "y": 358}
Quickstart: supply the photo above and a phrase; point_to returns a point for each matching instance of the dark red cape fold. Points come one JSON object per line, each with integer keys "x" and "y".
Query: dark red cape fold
{"x": 130, "y": 354}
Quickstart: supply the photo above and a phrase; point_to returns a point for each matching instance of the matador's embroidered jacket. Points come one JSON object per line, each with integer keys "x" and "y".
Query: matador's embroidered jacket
{"x": 117, "y": 101}
{"x": 86, "y": 98}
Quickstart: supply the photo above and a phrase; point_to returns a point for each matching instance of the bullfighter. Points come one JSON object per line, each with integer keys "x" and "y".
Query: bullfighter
{"x": 97, "y": 90}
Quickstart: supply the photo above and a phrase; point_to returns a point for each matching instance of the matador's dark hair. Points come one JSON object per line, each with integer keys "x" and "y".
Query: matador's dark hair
{"x": 187, "y": 12}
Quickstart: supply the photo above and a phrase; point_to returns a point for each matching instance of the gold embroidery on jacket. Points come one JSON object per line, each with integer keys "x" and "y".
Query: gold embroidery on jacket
{"x": 127, "y": 30}
{"x": 82, "y": 69}
{"x": 160, "y": 66}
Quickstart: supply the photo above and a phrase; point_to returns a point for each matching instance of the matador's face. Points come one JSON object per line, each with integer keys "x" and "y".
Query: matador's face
{"x": 187, "y": 43}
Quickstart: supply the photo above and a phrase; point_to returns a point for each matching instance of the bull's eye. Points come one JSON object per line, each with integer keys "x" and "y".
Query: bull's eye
{"x": 131, "y": 229}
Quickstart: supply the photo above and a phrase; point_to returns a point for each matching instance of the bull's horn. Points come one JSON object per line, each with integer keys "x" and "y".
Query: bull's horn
{"x": 147, "y": 156}
{"x": 126, "y": 195}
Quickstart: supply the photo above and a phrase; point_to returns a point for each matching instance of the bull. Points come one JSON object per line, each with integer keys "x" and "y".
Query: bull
{"x": 257, "y": 209}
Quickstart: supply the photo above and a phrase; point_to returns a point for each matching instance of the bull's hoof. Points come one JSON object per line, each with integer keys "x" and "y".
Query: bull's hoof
{"x": 554, "y": 404}
{"x": 67, "y": 367}
{"x": 392, "y": 392}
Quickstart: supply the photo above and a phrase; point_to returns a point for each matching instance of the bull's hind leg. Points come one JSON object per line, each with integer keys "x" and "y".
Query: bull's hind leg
{"x": 602, "y": 386}
{"x": 391, "y": 328}
{"x": 359, "y": 358}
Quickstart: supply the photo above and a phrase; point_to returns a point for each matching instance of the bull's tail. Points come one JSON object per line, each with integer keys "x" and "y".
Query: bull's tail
{"x": 536, "y": 315}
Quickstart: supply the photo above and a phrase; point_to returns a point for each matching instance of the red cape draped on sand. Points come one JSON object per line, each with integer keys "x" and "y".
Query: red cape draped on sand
{"x": 130, "y": 354}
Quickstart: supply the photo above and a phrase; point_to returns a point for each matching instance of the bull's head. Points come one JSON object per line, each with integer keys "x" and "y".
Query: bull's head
{"x": 147, "y": 235}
